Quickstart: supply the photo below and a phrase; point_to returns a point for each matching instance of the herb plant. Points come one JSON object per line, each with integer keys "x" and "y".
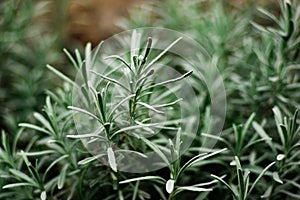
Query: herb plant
{"x": 93, "y": 131}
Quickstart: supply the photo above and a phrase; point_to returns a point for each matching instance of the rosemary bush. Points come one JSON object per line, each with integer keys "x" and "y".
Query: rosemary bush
{"x": 256, "y": 156}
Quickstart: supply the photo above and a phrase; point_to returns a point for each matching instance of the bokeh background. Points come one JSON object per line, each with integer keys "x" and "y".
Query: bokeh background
{"x": 34, "y": 32}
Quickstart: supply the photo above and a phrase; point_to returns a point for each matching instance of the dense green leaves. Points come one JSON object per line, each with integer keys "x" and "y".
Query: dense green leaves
{"x": 256, "y": 155}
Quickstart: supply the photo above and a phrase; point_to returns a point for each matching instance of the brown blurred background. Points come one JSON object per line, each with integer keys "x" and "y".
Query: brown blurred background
{"x": 94, "y": 20}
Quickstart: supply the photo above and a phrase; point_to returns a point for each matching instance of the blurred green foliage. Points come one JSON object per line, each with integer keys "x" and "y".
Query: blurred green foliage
{"x": 28, "y": 41}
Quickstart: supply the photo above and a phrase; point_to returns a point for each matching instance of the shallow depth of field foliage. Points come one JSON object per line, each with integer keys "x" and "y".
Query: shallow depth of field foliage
{"x": 257, "y": 52}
